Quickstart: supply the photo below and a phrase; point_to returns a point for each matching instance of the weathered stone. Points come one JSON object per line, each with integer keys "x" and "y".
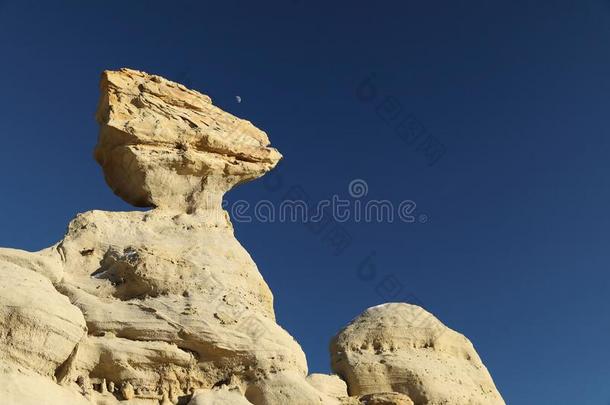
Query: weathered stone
{"x": 163, "y": 145}
{"x": 286, "y": 388}
{"x": 385, "y": 398}
{"x": 24, "y": 387}
{"x": 39, "y": 328}
{"x": 330, "y": 385}
{"x": 218, "y": 397}
{"x": 403, "y": 348}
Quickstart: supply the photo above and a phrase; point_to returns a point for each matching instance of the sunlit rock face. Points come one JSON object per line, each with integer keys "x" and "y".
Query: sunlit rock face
{"x": 149, "y": 307}
{"x": 402, "y": 348}
{"x": 163, "y": 145}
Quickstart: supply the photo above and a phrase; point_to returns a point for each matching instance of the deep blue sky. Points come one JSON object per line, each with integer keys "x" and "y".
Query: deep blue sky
{"x": 515, "y": 253}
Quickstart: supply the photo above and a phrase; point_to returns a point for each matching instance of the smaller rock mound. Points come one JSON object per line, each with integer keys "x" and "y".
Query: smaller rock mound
{"x": 403, "y": 348}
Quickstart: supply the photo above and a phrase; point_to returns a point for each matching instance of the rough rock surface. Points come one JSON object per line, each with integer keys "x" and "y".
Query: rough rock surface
{"x": 331, "y": 385}
{"x": 163, "y": 145}
{"x": 403, "y": 348}
{"x": 19, "y": 386}
{"x": 166, "y": 307}
{"x": 38, "y": 332}
{"x": 287, "y": 388}
{"x": 218, "y": 397}
{"x": 385, "y": 398}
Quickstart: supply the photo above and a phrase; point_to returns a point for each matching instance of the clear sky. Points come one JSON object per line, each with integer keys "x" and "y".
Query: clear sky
{"x": 514, "y": 252}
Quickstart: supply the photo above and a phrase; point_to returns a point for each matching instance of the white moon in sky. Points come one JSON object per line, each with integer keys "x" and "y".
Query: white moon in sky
{"x": 238, "y": 99}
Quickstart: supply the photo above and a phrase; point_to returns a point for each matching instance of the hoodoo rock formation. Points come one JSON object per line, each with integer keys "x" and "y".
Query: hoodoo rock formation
{"x": 166, "y": 307}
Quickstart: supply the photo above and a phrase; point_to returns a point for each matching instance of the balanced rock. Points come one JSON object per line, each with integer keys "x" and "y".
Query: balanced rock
{"x": 402, "y": 348}
{"x": 163, "y": 145}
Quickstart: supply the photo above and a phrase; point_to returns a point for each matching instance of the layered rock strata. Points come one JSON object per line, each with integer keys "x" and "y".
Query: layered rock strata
{"x": 404, "y": 349}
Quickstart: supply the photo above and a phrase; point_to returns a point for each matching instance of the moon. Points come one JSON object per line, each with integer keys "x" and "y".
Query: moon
{"x": 238, "y": 99}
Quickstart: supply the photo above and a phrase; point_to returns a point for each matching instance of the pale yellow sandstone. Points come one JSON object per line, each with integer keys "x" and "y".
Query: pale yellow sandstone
{"x": 287, "y": 388}
{"x": 218, "y": 397}
{"x": 163, "y": 145}
{"x": 330, "y": 385}
{"x": 19, "y": 386}
{"x": 385, "y": 398}
{"x": 39, "y": 327}
{"x": 402, "y": 348}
